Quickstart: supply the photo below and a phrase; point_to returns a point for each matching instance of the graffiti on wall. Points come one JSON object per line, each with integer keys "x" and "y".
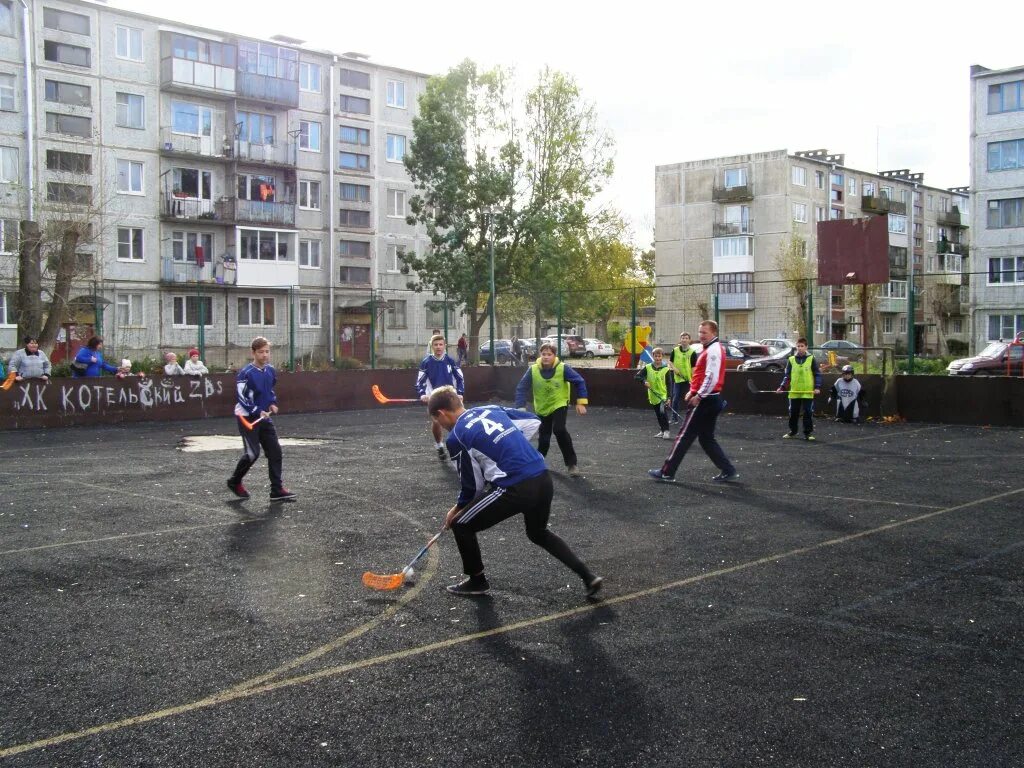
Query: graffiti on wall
{"x": 95, "y": 395}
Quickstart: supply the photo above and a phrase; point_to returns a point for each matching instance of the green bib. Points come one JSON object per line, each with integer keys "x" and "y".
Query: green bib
{"x": 549, "y": 394}
{"x": 681, "y": 361}
{"x": 656, "y": 377}
{"x": 801, "y": 379}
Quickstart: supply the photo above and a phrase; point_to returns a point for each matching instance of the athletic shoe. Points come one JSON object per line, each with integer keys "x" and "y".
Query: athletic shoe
{"x": 574, "y": 471}
{"x": 594, "y": 586}
{"x": 666, "y": 435}
{"x": 725, "y": 477}
{"x": 657, "y": 475}
{"x": 238, "y": 489}
{"x": 659, "y": 434}
{"x": 788, "y": 435}
{"x": 474, "y": 585}
{"x": 811, "y": 438}
{"x": 281, "y": 494}
{"x": 442, "y": 454}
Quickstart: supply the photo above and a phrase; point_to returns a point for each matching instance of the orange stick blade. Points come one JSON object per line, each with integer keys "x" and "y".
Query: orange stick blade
{"x": 383, "y": 581}
{"x": 378, "y": 395}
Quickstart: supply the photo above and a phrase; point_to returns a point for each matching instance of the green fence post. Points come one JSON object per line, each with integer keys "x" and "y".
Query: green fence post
{"x": 718, "y": 322}
{"x": 559, "y": 331}
{"x": 202, "y": 319}
{"x": 291, "y": 329}
{"x": 373, "y": 332}
{"x": 97, "y": 311}
{"x": 910, "y": 322}
{"x": 810, "y": 314}
{"x": 446, "y": 319}
{"x": 632, "y": 335}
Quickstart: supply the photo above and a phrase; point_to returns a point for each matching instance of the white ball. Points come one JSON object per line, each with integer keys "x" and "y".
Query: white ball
{"x": 408, "y": 573}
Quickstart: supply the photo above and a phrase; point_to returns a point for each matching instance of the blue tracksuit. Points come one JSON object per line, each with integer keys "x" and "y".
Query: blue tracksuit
{"x": 255, "y": 390}
{"x": 437, "y": 372}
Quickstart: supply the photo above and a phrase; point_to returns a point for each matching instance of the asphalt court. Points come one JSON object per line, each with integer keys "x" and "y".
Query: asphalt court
{"x": 855, "y": 601}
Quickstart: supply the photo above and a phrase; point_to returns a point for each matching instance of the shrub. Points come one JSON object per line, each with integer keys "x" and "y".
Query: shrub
{"x": 957, "y": 348}
{"x": 347, "y": 363}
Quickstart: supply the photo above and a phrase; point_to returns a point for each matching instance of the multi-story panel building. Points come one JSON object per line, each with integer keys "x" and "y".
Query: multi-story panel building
{"x": 997, "y": 203}
{"x": 231, "y": 187}
{"x": 722, "y": 224}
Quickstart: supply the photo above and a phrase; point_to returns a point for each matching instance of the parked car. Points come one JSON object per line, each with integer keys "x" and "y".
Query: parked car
{"x": 991, "y": 361}
{"x": 553, "y": 340}
{"x": 844, "y": 347}
{"x": 577, "y": 346}
{"x": 751, "y": 347}
{"x": 735, "y": 356}
{"x": 776, "y": 362}
{"x": 778, "y": 343}
{"x": 597, "y": 348}
{"x": 504, "y": 347}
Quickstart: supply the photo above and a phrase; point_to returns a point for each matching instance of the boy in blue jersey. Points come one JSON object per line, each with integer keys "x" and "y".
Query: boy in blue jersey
{"x": 256, "y": 400}
{"x": 487, "y": 446}
{"x": 438, "y": 369}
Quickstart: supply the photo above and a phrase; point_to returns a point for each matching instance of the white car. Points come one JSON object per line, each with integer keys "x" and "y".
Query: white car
{"x": 553, "y": 341}
{"x": 597, "y": 348}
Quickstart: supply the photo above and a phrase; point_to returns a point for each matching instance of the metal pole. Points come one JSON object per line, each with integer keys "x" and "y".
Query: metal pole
{"x": 494, "y": 352}
{"x": 373, "y": 332}
{"x": 446, "y": 319}
{"x": 97, "y": 312}
{"x": 291, "y": 329}
{"x": 717, "y": 321}
{"x": 28, "y": 43}
{"x": 632, "y": 335}
{"x": 331, "y": 245}
{"x": 202, "y": 320}
{"x": 559, "y": 329}
{"x": 810, "y": 313}
{"x": 910, "y": 286}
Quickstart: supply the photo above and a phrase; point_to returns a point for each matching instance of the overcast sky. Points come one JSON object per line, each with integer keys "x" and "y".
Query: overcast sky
{"x": 885, "y": 83}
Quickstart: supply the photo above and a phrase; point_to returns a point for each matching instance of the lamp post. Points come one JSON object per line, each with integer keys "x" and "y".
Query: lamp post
{"x": 494, "y": 352}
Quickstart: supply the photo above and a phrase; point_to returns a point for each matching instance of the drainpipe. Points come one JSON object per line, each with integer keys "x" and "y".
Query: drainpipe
{"x": 30, "y": 121}
{"x": 331, "y": 208}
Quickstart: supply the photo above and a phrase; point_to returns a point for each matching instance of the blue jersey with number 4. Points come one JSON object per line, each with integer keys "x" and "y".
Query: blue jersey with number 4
{"x": 488, "y": 444}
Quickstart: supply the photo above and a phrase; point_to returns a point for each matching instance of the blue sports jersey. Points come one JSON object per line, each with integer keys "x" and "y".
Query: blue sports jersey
{"x": 491, "y": 444}
{"x": 254, "y": 390}
{"x": 437, "y": 372}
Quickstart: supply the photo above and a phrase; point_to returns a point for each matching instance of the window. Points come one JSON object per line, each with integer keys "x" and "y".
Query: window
{"x": 903, "y": 196}
{"x": 65, "y": 21}
{"x": 1006, "y": 213}
{"x": 799, "y": 212}
{"x": 836, "y": 195}
{"x": 957, "y": 326}
{"x": 1006, "y": 97}
{"x": 131, "y": 110}
{"x": 352, "y": 135}
{"x": 129, "y": 177}
{"x": 77, "y": 194}
{"x": 354, "y": 162}
{"x": 68, "y": 162}
{"x": 184, "y": 245}
{"x": 396, "y": 313}
{"x": 819, "y": 179}
{"x": 309, "y": 195}
{"x": 734, "y": 282}
{"x": 895, "y": 289}
{"x": 354, "y": 275}
{"x": 129, "y": 43}
{"x": 309, "y": 313}
{"x": 204, "y": 51}
{"x": 903, "y": 323}
{"x": 309, "y": 254}
{"x": 897, "y": 224}
{"x": 887, "y": 323}
{"x": 268, "y": 60}
{"x": 799, "y": 176}
{"x": 396, "y": 260}
{"x": 7, "y": 304}
{"x": 359, "y": 193}
{"x": 354, "y": 249}
{"x": 355, "y": 79}
{"x": 256, "y": 311}
{"x": 868, "y": 190}
{"x": 835, "y": 214}
{"x": 63, "y": 53}
{"x": 930, "y": 233}
{"x": 9, "y": 165}
{"x": 1004, "y": 327}
{"x": 819, "y": 324}
{"x": 72, "y": 125}
{"x": 732, "y": 246}
{"x": 396, "y": 94}
{"x": 191, "y": 119}
{"x": 309, "y": 136}
{"x": 734, "y": 177}
{"x": 886, "y": 192}
{"x": 836, "y": 179}
{"x": 820, "y": 213}
{"x": 265, "y": 245}
{"x": 68, "y": 93}
{"x": 255, "y": 127}
{"x": 309, "y": 77}
{"x": 6, "y": 19}
{"x": 187, "y": 311}
{"x": 129, "y": 310}
{"x": 258, "y": 187}
{"x": 192, "y": 183}
{"x": 350, "y": 218}
{"x": 1006, "y": 155}
{"x": 395, "y": 148}
{"x": 7, "y": 92}
{"x": 355, "y": 104}
{"x": 931, "y": 202}
{"x": 129, "y": 244}
{"x": 851, "y": 186}
{"x": 396, "y": 203}
{"x": 1006, "y": 270}
{"x": 8, "y": 235}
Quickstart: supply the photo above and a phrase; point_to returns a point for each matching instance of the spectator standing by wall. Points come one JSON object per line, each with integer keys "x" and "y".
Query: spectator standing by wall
{"x": 194, "y": 366}
{"x": 30, "y": 362}
{"x": 89, "y": 361}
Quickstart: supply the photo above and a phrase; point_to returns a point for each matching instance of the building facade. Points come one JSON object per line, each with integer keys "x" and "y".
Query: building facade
{"x": 230, "y": 187}
{"x": 997, "y": 203}
{"x": 721, "y": 225}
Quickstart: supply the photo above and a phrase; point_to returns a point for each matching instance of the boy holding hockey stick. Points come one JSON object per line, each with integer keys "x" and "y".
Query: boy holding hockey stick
{"x": 438, "y": 369}
{"x": 655, "y": 378}
{"x": 803, "y": 380}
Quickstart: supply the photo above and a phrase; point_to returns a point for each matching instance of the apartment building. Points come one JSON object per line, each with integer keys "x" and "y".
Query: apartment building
{"x": 997, "y": 203}
{"x": 721, "y": 223}
{"x": 231, "y": 187}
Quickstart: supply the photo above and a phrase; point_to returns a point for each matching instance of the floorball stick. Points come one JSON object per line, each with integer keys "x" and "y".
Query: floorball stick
{"x": 9, "y": 381}
{"x": 386, "y": 581}
{"x": 383, "y": 399}
{"x": 250, "y": 424}
{"x": 753, "y": 388}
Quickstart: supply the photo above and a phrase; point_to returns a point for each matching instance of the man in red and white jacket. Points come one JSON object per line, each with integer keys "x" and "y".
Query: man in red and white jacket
{"x": 704, "y": 402}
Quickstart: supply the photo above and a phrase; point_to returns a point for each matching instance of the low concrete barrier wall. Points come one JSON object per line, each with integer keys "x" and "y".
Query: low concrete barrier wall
{"x": 984, "y": 400}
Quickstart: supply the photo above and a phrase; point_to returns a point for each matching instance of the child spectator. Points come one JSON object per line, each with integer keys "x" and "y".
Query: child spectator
{"x": 29, "y": 362}
{"x": 655, "y": 378}
{"x": 194, "y": 366}
{"x": 171, "y": 367}
{"x": 125, "y": 370}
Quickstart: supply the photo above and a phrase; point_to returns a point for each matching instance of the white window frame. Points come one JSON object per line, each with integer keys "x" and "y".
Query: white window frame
{"x": 851, "y": 186}
{"x": 819, "y": 179}
{"x": 868, "y": 189}
{"x": 127, "y": 37}
{"x": 305, "y": 311}
{"x": 132, "y": 165}
{"x": 8, "y": 19}
{"x": 930, "y": 233}
{"x": 306, "y": 201}
{"x": 740, "y": 179}
{"x": 820, "y": 213}
{"x": 392, "y": 144}
{"x": 8, "y": 92}
{"x": 261, "y": 302}
{"x": 10, "y": 165}
{"x": 128, "y": 301}
{"x": 306, "y": 69}
{"x": 1015, "y": 270}
{"x": 887, "y": 323}
{"x": 306, "y": 137}
{"x": 182, "y": 238}
{"x": 393, "y": 250}
{"x": 394, "y": 196}
{"x": 903, "y": 324}
{"x": 132, "y": 257}
{"x": 127, "y": 114}
{"x": 799, "y": 176}
{"x": 800, "y": 212}
{"x": 183, "y": 300}
{"x": 307, "y": 252}
{"x": 6, "y": 305}
{"x": 393, "y": 91}
{"x": 5, "y": 235}
{"x": 278, "y": 234}
{"x": 393, "y": 314}
{"x": 897, "y": 223}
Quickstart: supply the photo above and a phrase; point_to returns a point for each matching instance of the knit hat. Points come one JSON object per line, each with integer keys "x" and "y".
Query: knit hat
{"x": 169, "y": 356}
{"x": 126, "y": 363}
{"x": 193, "y": 352}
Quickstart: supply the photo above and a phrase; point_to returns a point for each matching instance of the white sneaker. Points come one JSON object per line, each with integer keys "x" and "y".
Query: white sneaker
{"x": 659, "y": 434}
{"x": 666, "y": 435}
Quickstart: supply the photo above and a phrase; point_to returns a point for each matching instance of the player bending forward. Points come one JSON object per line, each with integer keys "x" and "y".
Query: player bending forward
{"x": 486, "y": 445}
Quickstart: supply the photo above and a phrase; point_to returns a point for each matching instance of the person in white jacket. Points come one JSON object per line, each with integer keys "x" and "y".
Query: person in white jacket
{"x": 194, "y": 366}
{"x": 172, "y": 368}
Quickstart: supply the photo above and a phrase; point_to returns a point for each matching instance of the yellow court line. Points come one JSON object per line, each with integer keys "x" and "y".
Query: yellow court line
{"x": 79, "y": 542}
{"x": 236, "y": 693}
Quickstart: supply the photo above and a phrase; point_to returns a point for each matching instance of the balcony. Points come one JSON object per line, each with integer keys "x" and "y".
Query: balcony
{"x": 733, "y": 228}
{"x": 737, "y": 194}
{"x": 882, "y": 204}
{"x": 174, "y": 271}
{"x": 889, "y": 305}
{"x": 951, "y": 218}
{"x": 736, "y": 300}
{"x": 283, "y": 154}
{"x": 945, "y": 277}
{"x": 187, "y": 76}
{"x": 897, "y": 263}
{"x": 187, "y": 146}
{"x": 277, "y": 214}
{"x": 944, "y": 246}
{"x": 275, "y": 91}
{"x": 173, "y": 207}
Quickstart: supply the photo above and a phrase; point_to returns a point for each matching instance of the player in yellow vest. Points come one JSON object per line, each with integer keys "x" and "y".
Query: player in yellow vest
{"x": 655, "y": 378}
{"x": 803, "y": 379}
{"x": 681, "y": 362}
{"x": 549, "y": 380}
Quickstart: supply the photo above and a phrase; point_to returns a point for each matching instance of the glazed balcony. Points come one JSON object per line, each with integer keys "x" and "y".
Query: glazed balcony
{"x": 275, "y": 91}
{"x": 950, "y": 218}
{"x": 882, "y": 204}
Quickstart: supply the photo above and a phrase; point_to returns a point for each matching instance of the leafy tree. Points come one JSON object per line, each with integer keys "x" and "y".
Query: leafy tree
{"x": 796, "y": 270}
